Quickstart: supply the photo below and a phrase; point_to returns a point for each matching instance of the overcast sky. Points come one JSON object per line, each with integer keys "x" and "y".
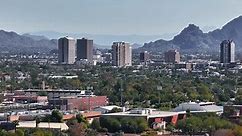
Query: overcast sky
{"x": 143, "y": 17}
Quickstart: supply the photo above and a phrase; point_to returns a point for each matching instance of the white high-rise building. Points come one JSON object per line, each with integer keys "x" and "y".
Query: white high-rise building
{"x": 66, "y": 50}
{"x": 121, "y": 54}
{"x": 227, "y": 51}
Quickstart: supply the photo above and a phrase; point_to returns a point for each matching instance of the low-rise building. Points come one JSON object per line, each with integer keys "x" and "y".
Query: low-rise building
{"x": 78, "y": 103}
{"x": 91, "y": 115}
{"x": 29, "y": 99}
{"x": 57, "y": 93}
{"x": 156, "y": 119}
{"x": 43, "y": 125}
{"x": 233, "y": 111}
{"x": 199, "y": 107}
{"x": 188, "y": 66}
{"x": 106, "y": 109}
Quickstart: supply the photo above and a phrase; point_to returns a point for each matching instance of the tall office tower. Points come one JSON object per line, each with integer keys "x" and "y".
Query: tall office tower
{"x": 172, "y": 56}
{"x": 85, "y": 50}
{"x": 227, "y": 51}
{"x": 66, "y": 50}
{"x": 144, "y": 56}
{"x": 121, "y": 54}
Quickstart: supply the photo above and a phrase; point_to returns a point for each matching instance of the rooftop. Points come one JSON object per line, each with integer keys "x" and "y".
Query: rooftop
{"x": 69, "y": 38}
{"x": 32, "y": 124}
{"x": 148, "y": 113}
{"x": 110, "y": 107}
{"x": 91, "y": 114}
{"x": 198, "y": 107}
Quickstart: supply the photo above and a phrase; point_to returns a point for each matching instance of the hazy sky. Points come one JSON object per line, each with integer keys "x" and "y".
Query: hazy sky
{"x": 145, "y": 17}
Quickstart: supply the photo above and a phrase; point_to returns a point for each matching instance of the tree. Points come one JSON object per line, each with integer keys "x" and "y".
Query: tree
{"x": 170, "y": 127}
{"x": 194, "y": 125}
{"x": 126, "y": 124}
{"x": 190, "y": 125}
{"x": 95, "y": 124}
{"x": 19, "y": 132}
{"x": 114, "y": 110}
{"x": 42, "y": 93}
{"x": 238, "y": 99}
{"x": 77, "y": 129}
{"x": 40, "y": 132}
{"x": 56, "y": 116}
{"x": 237, "y": 131}
{"x": 76, "y": 84}
{"x": 3, "y": 132}
{"x": 81, "y": 119}
{"x": 112, "y": 124}
{"x": 142, "y": 125}
{"x": 188, "y": 113}
{"x": 206, "y": 123}
{"x": 115, "y": 125}
{"x": 91, "y": 132}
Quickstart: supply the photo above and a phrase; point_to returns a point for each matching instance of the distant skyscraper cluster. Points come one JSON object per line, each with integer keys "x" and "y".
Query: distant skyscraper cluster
{"x": 121, "y": 54}
{"x": 144, "y": 57}
{"x": 227, "y": 51}
{"x": 71, "y": 50}
{"x": 80, "y": 51}
{"x": 172, "y": 56}
{"x": 66, "y": 50}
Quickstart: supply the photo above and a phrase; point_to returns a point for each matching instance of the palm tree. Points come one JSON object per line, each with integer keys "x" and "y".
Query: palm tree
{"x": 37, "y": 120}
{"x": 15, "y": 122}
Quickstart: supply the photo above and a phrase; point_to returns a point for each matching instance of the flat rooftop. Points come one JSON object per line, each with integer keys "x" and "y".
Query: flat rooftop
{"x": 32, "y": 124}
{"x": 153, "y": 114}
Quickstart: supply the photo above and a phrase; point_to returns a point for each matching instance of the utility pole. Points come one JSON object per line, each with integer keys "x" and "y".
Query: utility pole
{"x": 121, "y": 91}
{"x": 89, "y": 95}
{"x": 121, "y": 95}
{"x": 43, "y": 85}
{"x": 159, "y": 88}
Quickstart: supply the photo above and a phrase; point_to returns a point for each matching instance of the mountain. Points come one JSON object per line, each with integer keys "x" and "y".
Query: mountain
{"x": 35, "y": 37}
{"x": 135, "y": 46}
{"x": 193, "y": 39}
{"x": 104, "y": 40}
{"x": 190, "y": 39}
{"x": 13, "y": 42}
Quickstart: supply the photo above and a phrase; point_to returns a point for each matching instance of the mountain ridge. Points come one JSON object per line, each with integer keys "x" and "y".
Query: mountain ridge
{"x": 13, "y": 42}
{"x": 193, "y": 39}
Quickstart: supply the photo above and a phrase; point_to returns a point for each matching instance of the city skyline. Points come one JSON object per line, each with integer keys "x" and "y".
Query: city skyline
{"x": 94, "y": 16}
{"x": 120, "y": 67}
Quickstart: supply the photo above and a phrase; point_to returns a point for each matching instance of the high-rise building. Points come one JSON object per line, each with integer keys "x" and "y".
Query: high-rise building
{"x": 121, "y": 54}
{"x": 144, "y": 56}
{"x": 172, "y": 56}
{"x": 227, "y": 51}
{"x": 85, "y": 50}
{"x": 66, "y": 50}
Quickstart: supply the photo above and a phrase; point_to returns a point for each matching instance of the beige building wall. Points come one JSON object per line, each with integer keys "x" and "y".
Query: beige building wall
{"x": 66, "y": 50}
{"x": 121, "y": 54}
